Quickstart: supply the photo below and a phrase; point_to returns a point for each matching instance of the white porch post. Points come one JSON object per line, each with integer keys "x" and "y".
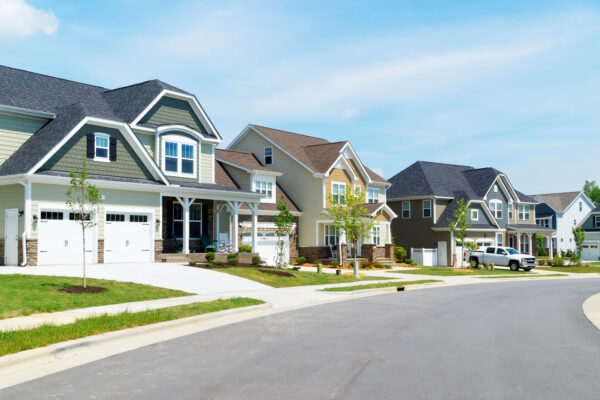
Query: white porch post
{"x": 531, "y": 243}
{"x": 389, "y": 233}
{"x": 186, "y": 202}
{"x": 235, "y": 208}
{"x": 518, "y": 241}
{"x": 254, "y": 208}
{"x": 550, "y": 249}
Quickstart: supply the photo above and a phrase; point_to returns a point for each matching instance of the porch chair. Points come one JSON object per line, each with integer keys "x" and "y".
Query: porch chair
{"x": 209, "y": 245}
{"x": 178, "y": 245}
{"x": 333, "y": 254}
{"x": 224, "y": 246}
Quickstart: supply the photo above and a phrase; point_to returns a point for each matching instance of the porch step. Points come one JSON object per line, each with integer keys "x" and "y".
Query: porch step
{"x": 386, "y": 261}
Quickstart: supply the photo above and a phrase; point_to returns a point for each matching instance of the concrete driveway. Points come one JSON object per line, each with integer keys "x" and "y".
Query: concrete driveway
{"x": 167, "y": 275}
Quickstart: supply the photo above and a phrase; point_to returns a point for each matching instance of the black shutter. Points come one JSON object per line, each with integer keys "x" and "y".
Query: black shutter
{"x": 113, "y": 148}
{"x": 90, "y": 146}
{"x": 205, "y": 219}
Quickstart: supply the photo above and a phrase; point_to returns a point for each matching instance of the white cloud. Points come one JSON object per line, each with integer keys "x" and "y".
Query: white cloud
{"x": 17, "y": 18}
{"x": 350, "y": 113}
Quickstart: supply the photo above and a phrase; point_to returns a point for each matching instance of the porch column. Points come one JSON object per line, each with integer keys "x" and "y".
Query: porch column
{"x": 531, "y": 243}
{"x": 388, "y": 239}
{"x": 518, "y": 235}
{"x": 254, "y": 208}
{"x": 186, "y": 202}
{"x": 550, "y": 247}
{"x": 235, "y": 208}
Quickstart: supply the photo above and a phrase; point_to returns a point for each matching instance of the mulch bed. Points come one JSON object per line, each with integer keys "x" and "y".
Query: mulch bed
{"x": 81, "y": 289}
{"x": 276, "y": 272}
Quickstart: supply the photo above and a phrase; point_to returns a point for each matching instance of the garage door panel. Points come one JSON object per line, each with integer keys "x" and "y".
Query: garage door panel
{"x": 127, "y": 238}
{"x": 60, "y": 240}
{"x": 266, "y": 243}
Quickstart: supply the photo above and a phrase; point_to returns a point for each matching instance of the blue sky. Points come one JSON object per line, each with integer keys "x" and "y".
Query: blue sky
{"x": 509, "y": 84}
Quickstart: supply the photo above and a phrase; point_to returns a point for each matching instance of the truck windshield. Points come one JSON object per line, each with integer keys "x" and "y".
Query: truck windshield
{"x": 512, "y": 251}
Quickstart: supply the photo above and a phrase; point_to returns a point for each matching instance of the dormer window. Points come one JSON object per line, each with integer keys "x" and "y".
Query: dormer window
{"x": 264, "y": 185}
{"x": 179, "y": 156}
{"x": 268, "y": 155}
{"x": 373, "y": 195}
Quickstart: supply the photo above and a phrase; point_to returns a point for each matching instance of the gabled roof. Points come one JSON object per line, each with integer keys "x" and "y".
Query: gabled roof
{"x": 557, "y": 201}
{"x": 430, "y": 179}
{"x": 223, "y": 178}
{"x": 315, "y": 153}
{"x": 241, "y": 159}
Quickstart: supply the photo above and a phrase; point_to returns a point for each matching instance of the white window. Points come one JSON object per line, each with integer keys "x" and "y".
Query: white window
{"x": 544, "y": 222}
{"x": 264, "y": 187}
{"x": 510, "y": 210}
{"x": 268, "y": 155}
{"x": 179, "y": 156}
{"x": 338, "y": 193}
{"x": 596, "y": 221}
{"x": 426, "y": 208}
{"x": 474, "y": 215}
{"x": 373, "y": 195}
{"x": 499, "y": 240}
{"x": 101, "y": 147}
{"x": 523, "y": 212}
{"x": 525, "y": 243}
{"x": 405, "y": 209}
{"x": 331, "y": 235}
{"x": 376, "y": 235}
{"x": 495, "y": 188}
{"x": 496, "y": 208}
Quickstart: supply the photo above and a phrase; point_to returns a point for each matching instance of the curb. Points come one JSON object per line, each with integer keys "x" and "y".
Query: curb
{"x": 591, "y": 309}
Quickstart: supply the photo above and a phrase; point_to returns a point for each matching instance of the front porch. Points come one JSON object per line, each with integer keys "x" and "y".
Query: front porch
{"x": 522, "y": 238}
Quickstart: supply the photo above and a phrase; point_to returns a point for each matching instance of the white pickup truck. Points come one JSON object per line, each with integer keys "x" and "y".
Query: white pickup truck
{"x": 503, "y": 256}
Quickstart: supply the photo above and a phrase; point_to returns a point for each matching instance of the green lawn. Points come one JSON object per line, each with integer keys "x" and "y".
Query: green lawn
{"x": 12, "y": 342}
{"x": 519, "y": 276}
{"x": 448, "y": 271}
{"x": 377, "y": 285}
{"x": 29, "y": 294}
{"x": 298, "y": 278}
{"x": 584, "y": 269}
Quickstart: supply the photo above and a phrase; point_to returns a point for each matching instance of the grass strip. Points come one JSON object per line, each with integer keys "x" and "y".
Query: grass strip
{"x": 298, "y": 278}
{"x": 583, "y": 269}
{"x": 449, "y": 271}
{"x": 30, "y": 294}
{"x": 377, "y": 285}
{"x": 15, "y": 341}
{"x": 519, "y": 276}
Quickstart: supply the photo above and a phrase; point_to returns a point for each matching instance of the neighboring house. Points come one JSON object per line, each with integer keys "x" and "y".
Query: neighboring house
{"x": 591, "y": 226}
{"x": 149, "y": 148}
{"x": 425, "y": 196}
{"x": 244, "y": 171}
{"x": 313, "y": 169}
{"x": 562, "y": 212}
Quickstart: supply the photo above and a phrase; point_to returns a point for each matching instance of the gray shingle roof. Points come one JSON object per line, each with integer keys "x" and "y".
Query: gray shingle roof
{"x": 557, "y": 201}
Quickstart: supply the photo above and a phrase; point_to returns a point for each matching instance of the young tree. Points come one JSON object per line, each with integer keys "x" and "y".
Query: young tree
{"x": 592, "y": 191}
{"x": 579, "y": 238}
{"x": 83, "y": 199}
{"x": 351, "y": 217}
{"x": 458, "y": 224}
{"x": 284, "y": 221}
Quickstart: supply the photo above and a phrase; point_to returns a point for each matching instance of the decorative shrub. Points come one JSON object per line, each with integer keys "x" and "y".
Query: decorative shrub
{"x": 557, "y": 262}
{"x": 400, "y": 254}
{"x": 334, "y": 263}
{"x": 192, "y": 262}
{"x": 217, "y": 263}
{"x": 210, "y": 256}
{"x": 387, "y": 266}
{"x": 232, "y": 258}
{"x": 300, "y": 260}
{"x": 256, "y": 260}
{"x": 296, "y": 268}
{"x": 245, "y": 248}
{"x": 364, "y": 264}
{"x": 377, "y": 264}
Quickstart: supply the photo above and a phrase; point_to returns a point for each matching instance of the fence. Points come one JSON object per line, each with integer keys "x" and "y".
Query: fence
{"x": 424, "y": 257}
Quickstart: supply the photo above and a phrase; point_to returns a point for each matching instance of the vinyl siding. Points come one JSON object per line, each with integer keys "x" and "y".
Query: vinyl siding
{"x": 71, "y": 156}
{"x": 304, "y": 189}
{"x": 240, "y": 177}
{"x": 11, "y": 196}
{"x": 499, "y": 195}
{"x": 382, "y": 217}
{"x": 440, "y": 207}
{"x": 168, "y": 111}
{"x": 48, "y": 195}
{"x": 483, "y": 218}
{"x": 206, "y": 163}
{"x": 14, "y": 131}
{"x": 588, "y": 223}
{"x": 338, "y": 176}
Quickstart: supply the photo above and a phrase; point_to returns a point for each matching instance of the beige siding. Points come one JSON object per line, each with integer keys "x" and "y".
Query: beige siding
{"x": 11, "y": 196}
{"x": 338, "y": 176}
{"x": 296, "y": 181}
{"x": 14, "y": 131}
{"x": 147, "y": 141}
{"x": 440, "y": 207}
{"x": 43, "y": 194}
{"x": 206, "y": 163}
{"x": 382, "y": 217}
{"x": 240, "y": 177}
{"x": 10, "y": 141}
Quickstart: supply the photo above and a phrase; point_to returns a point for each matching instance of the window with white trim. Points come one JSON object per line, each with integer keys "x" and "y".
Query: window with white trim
{"x": 524, "y": 212}
{"x": 179, "y": 156}
{"x": 331, "y": 235}
{"x": 405, "y": 209}
{"x": 376, "y": 235}
{"x": 268, "y": 155}
{"x": 373, "y": 195}
{"x": 426, "y": 208}
{"x": 596, "y": 221}
{"x": 195, "y": 227}
{"x": 495, "y": 188}
{"x": 496, "y": 208}
{"x": 474, "y": 215}
{"x": 264, "y": 187}
{"x": 499, "y": 239}
{"x": 509, "y": 206}
{"x": 101, "y": 146}
{"x": 543, "y": 222}
{"x": 338, "y": 193}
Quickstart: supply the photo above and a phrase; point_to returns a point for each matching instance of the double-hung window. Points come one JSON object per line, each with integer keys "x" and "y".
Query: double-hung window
{"x": 195, "y": 227}
{"x": 101, "y": 147}
{"x": 187, "y": 159}
{"x": 264, "y": 187}
{"x": 509, "y": 206}
{"x": 496, "y": 208}
{"x": 405, "y": 209}
{"x": 179, "y": 156}
{"x": 373, "y": 195}
{"x": 596, "y": 221}
{"x": 523, "y": 212}
{"x": 171, "y": 156}
{"x": 268, "y": 155}
{"x": 338, "y": 193}
{"x": 499, "y": 240}
{"x": 331, "y": 235}
{"x": 426, "y": 208}
{"x": 376, "y": 234}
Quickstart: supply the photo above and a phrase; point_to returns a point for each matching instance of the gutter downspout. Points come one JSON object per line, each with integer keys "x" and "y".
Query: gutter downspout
{"x": 27, "y": 185}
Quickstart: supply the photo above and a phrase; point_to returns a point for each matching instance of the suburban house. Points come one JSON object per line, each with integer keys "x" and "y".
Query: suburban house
{"x": 591, "y": 226}
{"x": 425, "y": 197}
{"x": 312, "y": 170}
{"x": 562, "y": 212}
{"x": 149, "y": 148}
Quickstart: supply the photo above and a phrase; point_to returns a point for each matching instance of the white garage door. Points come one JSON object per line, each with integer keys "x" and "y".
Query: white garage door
{"x": 590, "y": 252}
{"x": 267, "y": 246}
{"x": 60, "y": 239}
{"x": 128, "y": 237}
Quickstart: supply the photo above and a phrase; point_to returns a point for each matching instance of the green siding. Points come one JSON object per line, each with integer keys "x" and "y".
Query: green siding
{"x": 11, "y": 196}
{"x": 206, "y": 163}
{"x": 14, "y": 131}
{"x": 170, "y": 111}
{"x": 589, "y": 222}
{"x": 74, "y": 152}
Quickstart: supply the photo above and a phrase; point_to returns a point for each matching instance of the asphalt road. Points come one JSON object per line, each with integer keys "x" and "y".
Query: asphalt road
{"x": 517, "y": 340}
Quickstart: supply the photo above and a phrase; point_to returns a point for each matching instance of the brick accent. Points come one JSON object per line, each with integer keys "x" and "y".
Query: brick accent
{"x": 100, "y": 251}
{"x": 158, "y": 249}
{"x": 389, "y": 251}
{"x": 379, "y": 252}
{"x": 344, "y": 254}
{"x": 368, "y": 251}
{"x": 243, "y": 258}
{"x": 31, "y": 248}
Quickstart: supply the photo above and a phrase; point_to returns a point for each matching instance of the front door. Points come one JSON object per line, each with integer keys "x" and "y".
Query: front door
{"x": 11, "y": 236}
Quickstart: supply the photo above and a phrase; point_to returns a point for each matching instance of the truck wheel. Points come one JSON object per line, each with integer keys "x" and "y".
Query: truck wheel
{"x": 527, "y": 269}
{"x": 514, "y": 266}
{"x": 475, "y": 261}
